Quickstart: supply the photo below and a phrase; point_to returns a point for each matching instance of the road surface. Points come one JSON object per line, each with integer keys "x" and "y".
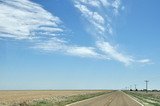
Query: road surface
{"x": 117, "y": 98}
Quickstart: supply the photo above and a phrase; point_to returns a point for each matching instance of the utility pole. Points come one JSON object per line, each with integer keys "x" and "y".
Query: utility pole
{"x": 146, "y": 81}
{"x": 135, "y": 87}
{"x": 130, "y": 87}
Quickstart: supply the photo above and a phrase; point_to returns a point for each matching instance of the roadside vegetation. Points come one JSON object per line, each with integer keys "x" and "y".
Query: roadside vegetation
{"x": 66, "y": 100}
{"x": 148, "y": 99}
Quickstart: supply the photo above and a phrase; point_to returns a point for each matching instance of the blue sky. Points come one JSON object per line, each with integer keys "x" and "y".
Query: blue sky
{"x": 79, "y": 44}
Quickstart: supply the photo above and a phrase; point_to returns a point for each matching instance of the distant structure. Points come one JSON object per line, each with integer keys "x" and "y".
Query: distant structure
{"x": 131, "y": 88}
{"x": 135, "y": 87}
{"x": 146, "y": 81}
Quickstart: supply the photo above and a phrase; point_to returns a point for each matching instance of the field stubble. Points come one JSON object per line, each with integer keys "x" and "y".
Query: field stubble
{"x": 15, "y": 98}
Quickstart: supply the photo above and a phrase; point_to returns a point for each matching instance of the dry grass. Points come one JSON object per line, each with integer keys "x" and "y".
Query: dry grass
{"x": 150, "y": 98}
{"x": 10, "y": 98}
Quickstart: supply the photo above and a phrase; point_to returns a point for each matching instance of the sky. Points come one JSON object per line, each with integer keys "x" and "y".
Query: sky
{"x": 79, "y": 44}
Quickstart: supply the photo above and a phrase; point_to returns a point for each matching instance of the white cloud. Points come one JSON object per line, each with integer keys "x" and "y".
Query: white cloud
{"x": 102, "y": 24}
{"x": 116, "y": 5}
{"x": 55, "y": 44}
{"x": 23, "y": 19}
{"x": 51, "y": 45}
{"x": 145, "y": 61}
{"x": 93, "y": 17}
{"x": 82, "y": 51}
{"x": 113, "y": 53}
{"x": 99, "y": 13}
{"x": 96, "y": 13}
{"x": 105, "y": 3}
{"x": 94, "y": 3}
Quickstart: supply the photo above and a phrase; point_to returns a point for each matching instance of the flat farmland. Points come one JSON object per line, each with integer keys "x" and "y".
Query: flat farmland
{"x": 10, "y": 98}
{"x": 148, "y": 99}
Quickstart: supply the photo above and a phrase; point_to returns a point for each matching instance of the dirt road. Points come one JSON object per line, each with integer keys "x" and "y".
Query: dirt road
{"x": 117, "y": 98}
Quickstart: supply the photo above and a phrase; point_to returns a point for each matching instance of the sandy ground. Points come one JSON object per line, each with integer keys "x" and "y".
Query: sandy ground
{"x": 16, "y": 97}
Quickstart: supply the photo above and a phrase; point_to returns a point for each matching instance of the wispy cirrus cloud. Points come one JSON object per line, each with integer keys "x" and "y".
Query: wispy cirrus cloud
{"x": 94, "y": 12}
{"x": 99, "y": 14}
{"x": 113, "y": 53}
{"x": 24, "y": 19}
{"x": 94, "y": 18}
{"x": 82, "y": 51}
{"x": 54, "y": 45}
{"x": 145, "y": 61}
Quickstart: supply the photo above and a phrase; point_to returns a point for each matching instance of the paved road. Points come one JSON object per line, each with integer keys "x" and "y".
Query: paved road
{"x": 117, "y": 98}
